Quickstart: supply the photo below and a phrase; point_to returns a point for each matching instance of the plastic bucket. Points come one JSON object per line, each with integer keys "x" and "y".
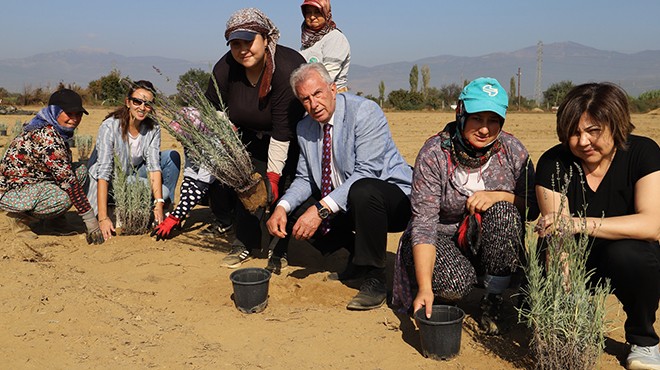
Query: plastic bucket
{"x": 250, "y": 289}
{"x": 441, "y": 334}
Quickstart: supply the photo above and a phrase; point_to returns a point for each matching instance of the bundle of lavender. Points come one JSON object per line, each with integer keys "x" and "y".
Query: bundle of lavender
{"x": 213, "y": 143}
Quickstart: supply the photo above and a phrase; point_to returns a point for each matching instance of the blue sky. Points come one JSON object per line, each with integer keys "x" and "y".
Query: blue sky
{"x": 380, "y": 32}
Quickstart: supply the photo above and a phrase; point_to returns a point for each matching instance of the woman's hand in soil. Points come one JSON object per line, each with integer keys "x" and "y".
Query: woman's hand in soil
{"x": 107, "y": 228}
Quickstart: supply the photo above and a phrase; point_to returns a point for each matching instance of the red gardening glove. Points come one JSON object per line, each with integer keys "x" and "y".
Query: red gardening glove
{"x": 162, "y": 230}
{"x": 469, "y": 234}
{"x": 274, "y": 180}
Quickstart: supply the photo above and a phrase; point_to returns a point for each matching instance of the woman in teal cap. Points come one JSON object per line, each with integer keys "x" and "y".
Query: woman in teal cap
{"x": 472, "y": 183}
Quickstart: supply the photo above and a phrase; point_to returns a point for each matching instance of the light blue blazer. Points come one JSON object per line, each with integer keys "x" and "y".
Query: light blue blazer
{"x": 362, "y": 147}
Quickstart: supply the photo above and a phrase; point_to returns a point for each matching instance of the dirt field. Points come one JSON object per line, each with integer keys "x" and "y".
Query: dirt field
{"x": 137, "y": 303}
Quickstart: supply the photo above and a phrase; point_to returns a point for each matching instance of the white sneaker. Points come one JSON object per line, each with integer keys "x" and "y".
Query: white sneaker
{"x": 643, "y": 358}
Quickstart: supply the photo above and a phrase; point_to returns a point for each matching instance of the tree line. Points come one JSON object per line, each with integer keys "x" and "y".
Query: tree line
{"x": 433, "y": 98}
{"x": 109, "y": 90}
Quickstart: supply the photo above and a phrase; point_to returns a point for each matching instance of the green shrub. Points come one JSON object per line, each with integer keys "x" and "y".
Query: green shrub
{"x": 17, "y": 129}
{"x": 84, "y": 145}
{"x": 132, "y": 202}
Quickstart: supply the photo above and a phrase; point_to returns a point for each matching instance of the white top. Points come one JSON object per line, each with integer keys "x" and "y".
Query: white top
{"x": 472, "y": 179}
{"x": 135, "y": 145}
{"x": 334, "y": 51}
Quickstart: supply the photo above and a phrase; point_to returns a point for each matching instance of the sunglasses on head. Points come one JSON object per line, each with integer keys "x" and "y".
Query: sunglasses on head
{"x": 138, "y": 102}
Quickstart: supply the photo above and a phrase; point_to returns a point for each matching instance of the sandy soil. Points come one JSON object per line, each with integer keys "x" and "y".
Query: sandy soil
{"x": 134, "y": 302}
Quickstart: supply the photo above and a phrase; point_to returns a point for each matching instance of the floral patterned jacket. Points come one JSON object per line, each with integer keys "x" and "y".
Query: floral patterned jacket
{"x": 41, "y": 155}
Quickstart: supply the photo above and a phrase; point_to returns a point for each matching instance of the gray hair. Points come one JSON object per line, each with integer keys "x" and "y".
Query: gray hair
{"x": 301, "y": 73}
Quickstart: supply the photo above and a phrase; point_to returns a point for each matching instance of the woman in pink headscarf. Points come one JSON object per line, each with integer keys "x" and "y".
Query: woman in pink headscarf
{"x": 323, "y": 42}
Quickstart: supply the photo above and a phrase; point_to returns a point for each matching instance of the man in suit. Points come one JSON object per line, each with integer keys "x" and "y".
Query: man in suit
{"x": 352, "y": 185}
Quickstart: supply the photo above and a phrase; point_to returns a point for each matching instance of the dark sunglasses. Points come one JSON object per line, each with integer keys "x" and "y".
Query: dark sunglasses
{"x": 138, "y": 102}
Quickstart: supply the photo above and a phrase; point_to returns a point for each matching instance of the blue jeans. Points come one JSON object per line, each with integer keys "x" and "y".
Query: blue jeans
{"x": 170, "y": 165}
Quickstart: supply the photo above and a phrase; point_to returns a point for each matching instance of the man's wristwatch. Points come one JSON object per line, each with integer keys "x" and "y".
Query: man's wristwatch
{"x": 323, "y": 212}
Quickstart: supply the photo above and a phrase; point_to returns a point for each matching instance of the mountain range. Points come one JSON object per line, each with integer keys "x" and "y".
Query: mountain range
{"x": 636, "y": 72}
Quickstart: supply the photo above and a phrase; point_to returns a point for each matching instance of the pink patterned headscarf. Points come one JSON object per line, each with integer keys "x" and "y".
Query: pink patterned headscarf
{"x": 309, "y": 36}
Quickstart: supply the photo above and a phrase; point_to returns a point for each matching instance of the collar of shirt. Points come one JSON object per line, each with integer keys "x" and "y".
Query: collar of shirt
{"x": 331, "y": 122}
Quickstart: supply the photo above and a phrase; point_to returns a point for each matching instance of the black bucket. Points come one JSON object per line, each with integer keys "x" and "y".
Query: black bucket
{"x": 441, "y": 334}
{"x": 250, "y": 289}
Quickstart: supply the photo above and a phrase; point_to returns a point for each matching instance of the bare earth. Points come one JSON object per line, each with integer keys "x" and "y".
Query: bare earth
{"x": 137, "y": 303}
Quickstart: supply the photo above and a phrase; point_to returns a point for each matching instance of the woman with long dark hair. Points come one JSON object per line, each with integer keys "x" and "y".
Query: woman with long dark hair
{"x": 130, "y": 134}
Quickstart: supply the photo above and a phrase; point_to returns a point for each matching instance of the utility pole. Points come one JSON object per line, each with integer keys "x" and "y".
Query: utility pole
{"x": 539, "y": 73}
{"x": 519, "y": 74}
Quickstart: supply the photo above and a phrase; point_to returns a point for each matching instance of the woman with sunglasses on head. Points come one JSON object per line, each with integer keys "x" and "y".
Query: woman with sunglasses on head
{"x": 323, "y": 42}
{"x": 134, "y": 137}
{"x": 37, "y": 177}
{"x": 253, "y": 84}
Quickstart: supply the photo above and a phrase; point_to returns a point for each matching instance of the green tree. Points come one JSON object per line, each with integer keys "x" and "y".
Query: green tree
{"x": 646, "y": 101}
{"x": 194, "y": 76}
{"x": 556, "y": 93}
{"x": 426, "y": 79}
{"x": 381, "y": 93}
{"x": 108, "y": 90}
{"x": 451, "y": 92}
{"x": 434, "y": 99}
{"x": 405, "y": 100}
{"x": 414, "y": 78}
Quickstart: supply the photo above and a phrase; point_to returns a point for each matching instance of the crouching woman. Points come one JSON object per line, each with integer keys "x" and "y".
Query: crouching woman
{"x": 37, "y": 178}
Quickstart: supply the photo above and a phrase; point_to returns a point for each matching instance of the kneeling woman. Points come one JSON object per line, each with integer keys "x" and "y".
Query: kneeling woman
{"x": 134, "y": 137}
{"x": 471, "y": 171}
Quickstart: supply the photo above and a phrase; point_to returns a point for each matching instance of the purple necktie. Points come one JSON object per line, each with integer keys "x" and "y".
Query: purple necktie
{"x": 326, "y": 167}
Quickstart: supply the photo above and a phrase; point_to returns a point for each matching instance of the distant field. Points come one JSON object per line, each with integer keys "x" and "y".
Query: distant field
{"x": 411, "y": 129}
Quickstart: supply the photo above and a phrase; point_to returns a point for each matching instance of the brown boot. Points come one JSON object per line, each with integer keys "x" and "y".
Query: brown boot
{"x": 20, "y": 225}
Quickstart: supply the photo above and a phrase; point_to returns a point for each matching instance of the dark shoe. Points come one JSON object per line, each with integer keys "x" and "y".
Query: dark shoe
{"x": 215, "y": 230}
{"x": 352, "y": 272}
{"x": 236, "y": 257}
{"x": 277, "y": 263}
{"x": 491, "y": 308}
{"x": 372, "y": 294}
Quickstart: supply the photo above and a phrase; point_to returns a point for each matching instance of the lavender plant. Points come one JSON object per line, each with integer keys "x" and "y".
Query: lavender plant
{"x": 563, "y": 307}
{"x": 213, "y": 142}
{"x": 132, "y": 202}
{"x": 17, "y": 129}
{"x": 84, "y": 145}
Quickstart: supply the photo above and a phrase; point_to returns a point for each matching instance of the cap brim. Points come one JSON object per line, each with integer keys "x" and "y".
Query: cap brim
{"x": 476, "y": 106}
{"x": 311, "y": 3}
{"x": 241, "y": 35}
{"x": 73, "y": 109}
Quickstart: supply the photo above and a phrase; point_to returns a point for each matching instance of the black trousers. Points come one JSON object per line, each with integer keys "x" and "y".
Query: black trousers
{"x": 375, "y": 207}
{"x": 250, "y": 229}
{"x": 634, "y": 269}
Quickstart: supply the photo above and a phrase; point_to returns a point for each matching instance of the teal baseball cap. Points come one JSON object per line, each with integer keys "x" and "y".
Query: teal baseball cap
{"x": 485, "y": 94}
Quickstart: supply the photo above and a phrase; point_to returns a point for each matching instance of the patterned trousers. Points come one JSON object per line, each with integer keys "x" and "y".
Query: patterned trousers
{"x": 455, "y": 271}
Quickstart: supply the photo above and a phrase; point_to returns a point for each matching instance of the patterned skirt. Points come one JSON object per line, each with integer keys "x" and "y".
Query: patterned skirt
{"x": 455, "y": 270}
